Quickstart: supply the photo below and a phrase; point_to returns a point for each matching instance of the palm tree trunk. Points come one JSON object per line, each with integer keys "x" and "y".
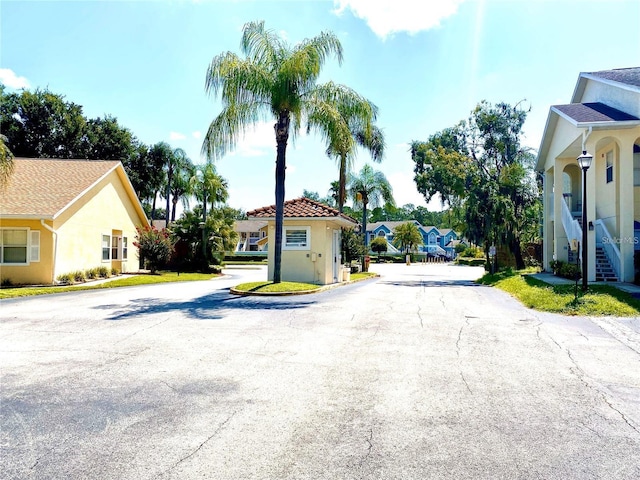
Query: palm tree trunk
{"x": 282, "y": 136}
{"x": 173, "y": 208}
{"x": 342, "y": 182}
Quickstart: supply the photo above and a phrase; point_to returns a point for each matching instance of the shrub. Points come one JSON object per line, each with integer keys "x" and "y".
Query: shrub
{"x": 103, "y": 272}
{"x": 155, "y": 246}
{"x": 65, "y": 279}
{"x": 115, "y": 272}
{"x": 6, "y": 283}
{"x": 565, "y": 270}
{"x": 78, "y": 276}
{"x": 91, "y": 274}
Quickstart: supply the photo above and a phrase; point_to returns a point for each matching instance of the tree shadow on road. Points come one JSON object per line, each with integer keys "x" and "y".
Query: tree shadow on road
{"x": 431, "y": 283}
{"x": 208, "y": 307}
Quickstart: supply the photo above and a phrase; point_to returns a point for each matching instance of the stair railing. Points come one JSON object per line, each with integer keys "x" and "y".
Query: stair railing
{"x": 571, "y": 226}
{"x": 609, "y": 246}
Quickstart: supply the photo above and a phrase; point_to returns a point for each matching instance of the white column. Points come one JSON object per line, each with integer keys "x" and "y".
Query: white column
{"x": 591, "y": 212}
{"x": 560, "y": 249}
{"x": 626, "y": 210}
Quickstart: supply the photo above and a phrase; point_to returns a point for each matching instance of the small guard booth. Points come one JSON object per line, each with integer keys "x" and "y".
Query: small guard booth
{"x": 311, "y": 241}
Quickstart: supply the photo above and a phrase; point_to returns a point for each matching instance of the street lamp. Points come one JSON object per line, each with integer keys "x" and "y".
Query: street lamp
{"x": 584, "y": 161}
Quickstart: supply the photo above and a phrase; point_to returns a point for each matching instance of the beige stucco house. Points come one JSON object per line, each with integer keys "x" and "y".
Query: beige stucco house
{"x": 61, "y": 216}
{"x": 310, "y": 242}
{"x": 602, "y": 119}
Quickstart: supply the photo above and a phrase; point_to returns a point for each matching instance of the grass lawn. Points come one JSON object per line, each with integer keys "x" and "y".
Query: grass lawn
{"x": 125, "y": 281}
{"x": 599, "y": 300}
{"x": 291, "y": 287}
{"x": 270, "y": 287}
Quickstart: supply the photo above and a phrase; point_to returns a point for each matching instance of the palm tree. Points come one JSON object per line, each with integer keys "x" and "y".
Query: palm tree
{"x": 357, "y": 113}
{"x": 160, "y": 154}
{"x": 208, "y": 186}
{"x": 279, "y": 81}
{"x": 407, "y": 236}
{"x": 370, "y": 187}
{"x": 6, "y": 161}
{"x": 181, "y": 185}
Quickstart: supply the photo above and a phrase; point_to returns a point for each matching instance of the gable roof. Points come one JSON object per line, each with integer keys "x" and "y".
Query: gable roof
{"x": 46, "y": 187}
{"x": 390, "y": 225}
{"x": 302, "y": 208}
{"x": 624, "y": 78}
{"x": 592, "y": 114}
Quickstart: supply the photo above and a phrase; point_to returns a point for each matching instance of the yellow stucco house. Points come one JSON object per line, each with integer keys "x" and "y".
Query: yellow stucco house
{"x": 311, "y": 240}
{"x": 603, "y": 119}
{"x": 60, "y": 216}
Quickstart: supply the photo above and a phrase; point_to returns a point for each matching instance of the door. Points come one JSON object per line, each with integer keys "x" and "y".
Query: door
{"x": 335, "y": 251}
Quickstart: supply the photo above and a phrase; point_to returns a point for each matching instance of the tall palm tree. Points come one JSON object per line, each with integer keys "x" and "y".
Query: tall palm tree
{"x": 370, "y": 187}
{"x": 208, "y": 186}
{"x": 160, "y": 154}
{"x": 279, "y": 81}
{"x": 357, "y": 113}
{"x": 181, "y": 185}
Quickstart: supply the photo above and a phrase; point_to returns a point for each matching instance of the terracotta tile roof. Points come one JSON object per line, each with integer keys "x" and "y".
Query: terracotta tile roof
{"x": 593, "y": 113}
{"x": 628, "y": 76}
{"x": 300, "y": 208}
{"x": 45, "y": 186}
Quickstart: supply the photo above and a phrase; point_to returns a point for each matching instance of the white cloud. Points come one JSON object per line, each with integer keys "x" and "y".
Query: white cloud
{"x": 258, "y": 140}
{"x": 176, "y": 136}
{"x": 197, "y": 134}
{"x": 11, "y": 80}
{"x": 385, "y": 18}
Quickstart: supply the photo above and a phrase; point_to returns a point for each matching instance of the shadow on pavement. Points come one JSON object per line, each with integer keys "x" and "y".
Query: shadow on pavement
{"x": 207, "y": 307}
{"x": 432, "y": 283}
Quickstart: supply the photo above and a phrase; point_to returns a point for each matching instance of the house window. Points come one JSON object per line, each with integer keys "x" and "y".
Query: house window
{"x": 14, "y": 246}
{"x": 432, "y": 238}
{"x": 636, "y": 169}
{"x": 125, "y": 248}
{"x": 106, "y": 247}
{"x": 115, "y": 246}
{"x": 296, "y": 238}
{"x": 609, "y": 166}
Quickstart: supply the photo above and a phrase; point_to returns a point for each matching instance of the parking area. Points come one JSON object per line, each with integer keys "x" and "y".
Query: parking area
{"x": 420, "y": 373}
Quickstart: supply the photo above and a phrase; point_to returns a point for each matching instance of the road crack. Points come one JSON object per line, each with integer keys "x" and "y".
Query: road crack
{"x": 186, "y": 457}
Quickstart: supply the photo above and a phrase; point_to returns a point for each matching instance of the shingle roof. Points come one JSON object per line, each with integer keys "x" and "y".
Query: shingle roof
{"x": 628, "y": 76}
{"x": 44, "y": 187}
{"x": 300, "y": 208}
{"x": 593, "y": 113}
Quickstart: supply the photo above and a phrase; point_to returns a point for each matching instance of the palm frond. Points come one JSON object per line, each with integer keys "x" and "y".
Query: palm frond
{"x": 262, "y": 46}
{"x": 225, "y": 130}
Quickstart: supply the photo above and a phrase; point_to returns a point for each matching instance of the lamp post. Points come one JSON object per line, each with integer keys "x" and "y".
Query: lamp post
{"x": 584, "y": 161}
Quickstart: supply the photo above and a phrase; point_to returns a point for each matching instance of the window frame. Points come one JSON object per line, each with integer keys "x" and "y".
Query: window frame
{"x": 106, "y": 248}
{"x": 28, "y": 247}
{"x": 609, "y": 166}
{"x": 299, "y": 245}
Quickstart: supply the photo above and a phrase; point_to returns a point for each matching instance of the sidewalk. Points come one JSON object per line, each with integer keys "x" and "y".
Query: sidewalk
{"x": 552, "y": 279}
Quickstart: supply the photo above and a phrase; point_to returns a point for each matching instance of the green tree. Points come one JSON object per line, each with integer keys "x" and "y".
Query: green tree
{"x": 181, "y": 185}
{"x": 352, "y": 245}
{"x": 481, "y": 168}
{"x": 357, "y": 114}
{"x": 6, "y": 161}
{"x": 274, "y": 80}
{"x": 370, "y": 187}
{"x": 42, "y": 124}
{"x": 160, "y": 155}
{"x": 208, "y": 186}
{"x": 105, "y": 139}
{"x": 407, "y": 237}
{"x": 379, "y": 245}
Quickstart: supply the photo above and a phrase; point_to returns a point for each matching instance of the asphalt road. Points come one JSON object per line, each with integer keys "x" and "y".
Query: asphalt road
{"x": 419, "y": 374}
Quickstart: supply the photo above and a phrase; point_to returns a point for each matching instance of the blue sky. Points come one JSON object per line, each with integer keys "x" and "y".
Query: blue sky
{"x": 425, "y": 64}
